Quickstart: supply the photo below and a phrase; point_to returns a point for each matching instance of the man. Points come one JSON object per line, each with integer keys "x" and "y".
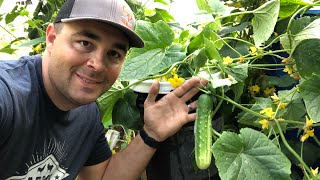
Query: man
{"x": 50, "y": 126}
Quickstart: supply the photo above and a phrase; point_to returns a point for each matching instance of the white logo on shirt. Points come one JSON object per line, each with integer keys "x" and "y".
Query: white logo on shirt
{"x": 46, "y": 169}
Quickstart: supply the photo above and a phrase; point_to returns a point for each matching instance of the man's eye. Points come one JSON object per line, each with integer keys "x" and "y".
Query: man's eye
{"x": 114, "y": 54}
{"x": 115, "y": 57}
{"x": 85, "y": 43}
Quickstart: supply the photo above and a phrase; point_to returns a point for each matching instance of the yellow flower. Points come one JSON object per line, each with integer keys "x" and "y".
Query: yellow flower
{"x": 174, "y": 71}
{"x": 268, "y": 112}
{"x": 288, "y": 70}
{"x": 38, "y": 48}
{"x": 275, "y": 98}
{"x": 285, "y": 60}
{"x": 315, "y": 171}
{"x": 307, "y": 134}
{"x": 227, "y": 60}
{"x": 114, "y": 151}
{"x": 241, "y": 60}
{"x": 176, "y": 81}
{"x": 282, "y": 105}
{"x": 295, "y": 76}
{"x": 253, "y": 50}
{"x": 309, "y": 122}
{"x": 254, "y": 90}
{"x": 264, "y": 123}
{"x": 269, "y": 91}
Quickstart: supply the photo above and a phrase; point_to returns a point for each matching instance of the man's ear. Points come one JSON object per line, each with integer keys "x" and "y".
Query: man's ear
{"x": 50, "y": 36}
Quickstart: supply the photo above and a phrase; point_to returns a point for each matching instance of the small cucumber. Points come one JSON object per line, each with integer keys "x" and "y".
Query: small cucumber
{"x": 203, "y": 131}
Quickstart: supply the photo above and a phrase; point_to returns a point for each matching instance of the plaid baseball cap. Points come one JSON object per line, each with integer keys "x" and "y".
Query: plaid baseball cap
{"x": 114, "y": 12}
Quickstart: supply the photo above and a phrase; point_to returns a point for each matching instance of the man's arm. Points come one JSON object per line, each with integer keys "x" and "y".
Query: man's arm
{"x": 125, "y": 165}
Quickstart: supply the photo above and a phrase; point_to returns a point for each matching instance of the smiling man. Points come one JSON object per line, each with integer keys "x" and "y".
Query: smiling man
{"x": 50, "y": 126}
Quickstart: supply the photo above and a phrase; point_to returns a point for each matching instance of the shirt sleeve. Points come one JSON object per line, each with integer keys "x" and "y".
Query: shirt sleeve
{"x": 101, "y": 150}
{"x": 6, "y": 111}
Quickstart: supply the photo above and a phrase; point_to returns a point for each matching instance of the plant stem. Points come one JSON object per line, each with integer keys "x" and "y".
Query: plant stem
{"x": 290, "y": 149}
{"x": 9, "y": 32}
{"x": 266, "y": 65}
{"x": 241, "y": 107}
{"x": 316, "y": 140}
{"x": 216, "y": 132}
{"x": 234, "y": 14}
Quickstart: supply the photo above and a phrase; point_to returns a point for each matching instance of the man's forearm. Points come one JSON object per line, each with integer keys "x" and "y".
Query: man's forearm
{"x": 131, "y": 162}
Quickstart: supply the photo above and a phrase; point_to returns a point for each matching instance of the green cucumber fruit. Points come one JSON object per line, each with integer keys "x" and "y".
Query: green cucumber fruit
{"x": 203, "y": 131}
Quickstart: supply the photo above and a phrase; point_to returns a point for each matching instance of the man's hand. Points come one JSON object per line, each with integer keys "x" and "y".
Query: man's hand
{"x": 165, "y": 117}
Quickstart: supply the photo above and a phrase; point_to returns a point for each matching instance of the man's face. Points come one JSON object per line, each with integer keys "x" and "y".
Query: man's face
{"x": 83, "y": 61}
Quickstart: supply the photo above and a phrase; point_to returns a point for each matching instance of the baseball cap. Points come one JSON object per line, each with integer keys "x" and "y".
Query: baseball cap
{"x": 114, "y": 12}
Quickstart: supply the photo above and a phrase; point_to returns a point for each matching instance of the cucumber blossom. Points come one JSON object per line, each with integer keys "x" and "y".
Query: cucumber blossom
{"x": 203, "y": 131}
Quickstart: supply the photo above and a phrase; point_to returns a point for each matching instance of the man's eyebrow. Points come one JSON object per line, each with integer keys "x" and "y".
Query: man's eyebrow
{"x": 88, "y": 35}
{"x": 122, "y": 47}
{"x": 96, "y": 37}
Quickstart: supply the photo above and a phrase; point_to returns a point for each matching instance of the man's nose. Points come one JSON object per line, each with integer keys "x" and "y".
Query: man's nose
{"x": 96, "y": 62}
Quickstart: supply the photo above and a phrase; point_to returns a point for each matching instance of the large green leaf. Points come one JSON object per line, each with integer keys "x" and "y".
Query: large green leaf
{"x": 126, "y": 113}
{"x": 309, "y": 32}
{"x": 288, "y": 7}
{"x": 106, "y": 103}
{"x": 306, "y": 57}
{"x": 158, "y": 54}
{"x": 33, "y": 42}
{"x": 310, "y": 91}
{"x": 264, "y": 21}
{"x": 251, "y": 156}
{"x": 151, "y": 62}
{"x": 155, "y": 35}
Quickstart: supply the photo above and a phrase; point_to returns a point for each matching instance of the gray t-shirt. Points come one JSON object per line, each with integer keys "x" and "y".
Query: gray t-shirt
{"x": 37, "y": 140}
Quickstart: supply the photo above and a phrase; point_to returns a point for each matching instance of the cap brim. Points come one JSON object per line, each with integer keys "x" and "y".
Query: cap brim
{"x": 134, "y": 39}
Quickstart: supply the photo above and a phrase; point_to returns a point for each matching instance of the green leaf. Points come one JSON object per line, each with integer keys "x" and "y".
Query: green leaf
{"x": 200, "y": 58}
{"x": 211, "y": 50}
{"x": 282, "y": 81}
{"x": 106, "y": 103}
{"x": 251, "y": 156}
{"x": 306, "y": 57}
{"x": 217, "y": 6}
{"x": 295, "y": 111}
{"x": 237, "y": 47}
{"x": 7, "y": 49}
{"x": 165, "y": 15}
{"x": 203, "y": 5}
{"x": 310, "y": 92}
{"x": 158, "y": 54}
{"x": 1, "y": 1}
{"x": 12, "y": 15}
{"x": 296, "y": 2}
{"x": 288, "y": 7}
{"x": 155, "y": 35}
{"x": 287, "y": 10}
{"x": 309, "y": 32}
{"x": 309, "y": 149}
{"x": 165, "y": 2}
{"x": 33, "y": 42}
{"x": 126, "y": 113}
{"x": 151, "y": 62}
{"x": 239, "y": 72}
{"x": 250, "y": 119}
{"x": 264, "y": 21}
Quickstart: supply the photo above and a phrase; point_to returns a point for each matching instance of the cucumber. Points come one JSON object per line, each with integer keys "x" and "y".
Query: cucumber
{"x": 203, "y": 131}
